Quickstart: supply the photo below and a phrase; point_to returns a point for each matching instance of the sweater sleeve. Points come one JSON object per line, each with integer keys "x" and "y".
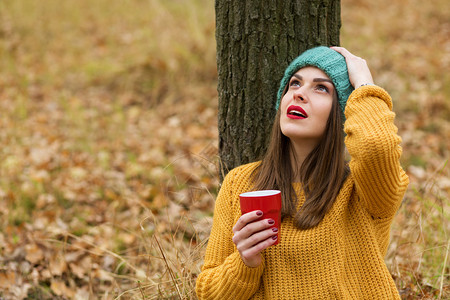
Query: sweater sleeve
{"x": 224, "y": 275}
{"x": 375, "y": 151}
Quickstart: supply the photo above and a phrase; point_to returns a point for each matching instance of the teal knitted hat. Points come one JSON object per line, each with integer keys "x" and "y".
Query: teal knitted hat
{"x": 329, "y": 61}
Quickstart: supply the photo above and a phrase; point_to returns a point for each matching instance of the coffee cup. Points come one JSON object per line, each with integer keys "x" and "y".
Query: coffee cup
{"x": 267, "y": 201}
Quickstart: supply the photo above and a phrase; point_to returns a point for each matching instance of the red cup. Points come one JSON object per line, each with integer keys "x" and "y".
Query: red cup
{"x": 267, "y": 201}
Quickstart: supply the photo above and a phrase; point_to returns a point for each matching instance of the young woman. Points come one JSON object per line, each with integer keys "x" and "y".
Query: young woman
{"x": 336, "y": 216}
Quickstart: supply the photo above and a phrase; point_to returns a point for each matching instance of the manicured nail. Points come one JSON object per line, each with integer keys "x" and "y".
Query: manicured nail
{"x": 274, "y": 237}
{"x": 259, "y": 213}
{"x": 275, "y": 229}
{"x": 271, "y": 222}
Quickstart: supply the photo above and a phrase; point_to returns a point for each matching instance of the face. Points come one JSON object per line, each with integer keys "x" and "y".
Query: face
{"x": 306, "y": 106}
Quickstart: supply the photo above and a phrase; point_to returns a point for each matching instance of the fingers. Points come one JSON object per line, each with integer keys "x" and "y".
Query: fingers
{"x": 247, "y": 218}
{"x": 342, "y": 51}
{"x": 347, "y": 54}
{"x": 253, "y": 233}
{"x": 358, "y": 71}
{"x": 258, "y": 242}
{"x": 248, "y": 254}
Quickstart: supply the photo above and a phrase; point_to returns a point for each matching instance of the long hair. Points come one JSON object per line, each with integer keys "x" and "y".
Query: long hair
{"x": 322, "y": 173}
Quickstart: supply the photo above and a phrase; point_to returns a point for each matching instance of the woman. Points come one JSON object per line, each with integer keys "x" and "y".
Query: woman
{"x": 335, "y": 216}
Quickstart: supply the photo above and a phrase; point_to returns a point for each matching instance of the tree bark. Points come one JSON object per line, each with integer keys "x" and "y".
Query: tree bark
{"x": 256, "y": 40}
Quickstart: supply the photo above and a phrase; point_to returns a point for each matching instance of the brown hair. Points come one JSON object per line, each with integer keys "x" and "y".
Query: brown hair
{"x": 322, "y": 173}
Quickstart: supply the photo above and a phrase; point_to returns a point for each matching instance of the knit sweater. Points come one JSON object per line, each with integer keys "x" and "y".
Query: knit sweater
{"x": 343, "y": 256}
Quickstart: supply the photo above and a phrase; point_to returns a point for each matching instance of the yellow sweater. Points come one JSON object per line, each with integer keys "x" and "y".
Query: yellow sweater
{"x": 342, "y": 257}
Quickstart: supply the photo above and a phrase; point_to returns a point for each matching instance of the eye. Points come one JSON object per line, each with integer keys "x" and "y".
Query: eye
{"x": 322, "y": 88}
{"x": 294, "y": 82}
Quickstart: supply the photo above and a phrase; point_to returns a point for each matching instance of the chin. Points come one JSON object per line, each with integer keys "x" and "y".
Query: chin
{"x": 300, "y": 137}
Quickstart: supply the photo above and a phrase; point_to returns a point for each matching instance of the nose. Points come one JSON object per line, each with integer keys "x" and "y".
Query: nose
{"x": 300, "y": 95}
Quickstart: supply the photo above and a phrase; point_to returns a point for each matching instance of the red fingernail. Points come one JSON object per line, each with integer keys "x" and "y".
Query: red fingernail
{"x": 259, "y": 213}
{"x": 271, "y": 222}
{"x": 275, "y": 229}
{"x": 274, "y": 237}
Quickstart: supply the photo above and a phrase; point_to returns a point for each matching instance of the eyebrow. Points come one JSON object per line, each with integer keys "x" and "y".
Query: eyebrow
{"x": 315, "y": 79}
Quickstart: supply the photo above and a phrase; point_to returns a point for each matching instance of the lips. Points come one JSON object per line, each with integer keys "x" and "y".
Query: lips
{"x": 296, "y": 112}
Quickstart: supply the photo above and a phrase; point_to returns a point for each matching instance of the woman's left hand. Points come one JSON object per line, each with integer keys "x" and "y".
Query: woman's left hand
{"x": 358, "y": 71}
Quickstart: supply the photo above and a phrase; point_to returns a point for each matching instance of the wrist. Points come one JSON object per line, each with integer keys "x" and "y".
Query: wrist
{"x": 364, "y": 84}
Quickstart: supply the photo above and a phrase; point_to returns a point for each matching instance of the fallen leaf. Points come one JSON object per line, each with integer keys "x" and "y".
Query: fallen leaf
{"x": 73, "y": 255}
{"x": 46, "y": 274}
{"x": 127, "y": 238}
{"x": 40, "y": 176}
{"x": 41, "y": 156}
{"x": 57, "y": 265}
{"x": 102, "y": 275}
{"x": 160, "y": 201}
{"x": 60, "y": 289}
{"x": 20, "y": 291}
{"x": 81, "y": 294}
{"x": 7, "y": 279}
{"x": 77, "y": 270}
{"x": 34, "y": 254}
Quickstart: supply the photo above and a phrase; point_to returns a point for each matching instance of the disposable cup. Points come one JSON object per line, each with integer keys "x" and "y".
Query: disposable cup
{"x": 267, "y": 201}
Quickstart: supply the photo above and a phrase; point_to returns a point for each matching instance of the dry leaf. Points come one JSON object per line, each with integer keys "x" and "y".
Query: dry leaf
{"x": 77, "y": 270}
{"x": 86, "y": 263}
{"x": 46, "y": 274}
{"x": 82, "y": 294}
{"x": 57, "y": 265}
{"x": 108, "y": 262}
{"x": 73, "y": 255}
{"x": 34, "y": 254}
{"x": 7, "y": 279}
{"x": 59, "y": 288}
{"x": 160, "y": 201}
{"x": 40, "y": 175}
{"x": 41, "y": 156}
{"x": 102, "y": 275}
{"x": 127, "y": 238}
{"x": 20, "y": 291}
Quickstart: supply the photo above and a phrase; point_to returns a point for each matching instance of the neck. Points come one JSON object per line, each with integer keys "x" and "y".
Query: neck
{"x": 299, "y": 151}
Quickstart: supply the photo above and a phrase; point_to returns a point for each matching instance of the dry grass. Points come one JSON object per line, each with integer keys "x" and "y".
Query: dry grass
{"x": 108, "y": 170}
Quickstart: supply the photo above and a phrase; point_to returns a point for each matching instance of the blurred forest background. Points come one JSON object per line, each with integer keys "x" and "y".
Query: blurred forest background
{"x": 108, "y": 132}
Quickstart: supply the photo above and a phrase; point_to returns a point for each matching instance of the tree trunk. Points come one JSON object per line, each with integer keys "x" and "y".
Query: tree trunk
{"x": 256, "y": 40}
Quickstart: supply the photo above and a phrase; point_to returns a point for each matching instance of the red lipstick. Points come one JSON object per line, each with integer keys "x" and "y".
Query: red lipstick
{"x": 296, "y": 112}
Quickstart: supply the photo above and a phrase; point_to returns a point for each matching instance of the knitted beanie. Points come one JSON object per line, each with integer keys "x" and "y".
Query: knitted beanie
{"x": 329, "y": 61}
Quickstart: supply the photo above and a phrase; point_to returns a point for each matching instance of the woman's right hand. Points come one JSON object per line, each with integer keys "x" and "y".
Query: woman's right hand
{"x": 252, "y": 235}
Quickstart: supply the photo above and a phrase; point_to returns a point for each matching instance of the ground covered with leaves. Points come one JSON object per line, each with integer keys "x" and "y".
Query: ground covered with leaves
{"x": 109, "y": 167}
